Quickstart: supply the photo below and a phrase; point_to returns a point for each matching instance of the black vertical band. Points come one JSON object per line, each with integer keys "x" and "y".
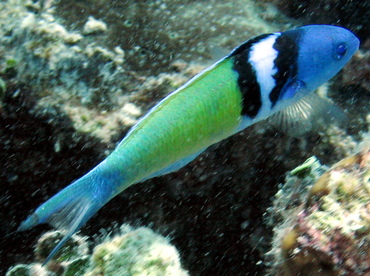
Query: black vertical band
{"x": 285, "y": 63}
{"x": 247, "y": 80}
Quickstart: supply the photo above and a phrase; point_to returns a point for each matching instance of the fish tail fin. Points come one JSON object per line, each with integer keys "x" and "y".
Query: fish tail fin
{"x": 69, "y": 209}
{"x": 70, "y": 218}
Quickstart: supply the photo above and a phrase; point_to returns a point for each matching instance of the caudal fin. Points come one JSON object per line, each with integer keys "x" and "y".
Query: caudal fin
{"x": 70, "y": 218}
{"x": 68, "y": 210}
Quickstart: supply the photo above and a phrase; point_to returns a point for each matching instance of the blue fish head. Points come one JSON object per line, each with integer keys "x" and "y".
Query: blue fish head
{"x": 323, "y": 50}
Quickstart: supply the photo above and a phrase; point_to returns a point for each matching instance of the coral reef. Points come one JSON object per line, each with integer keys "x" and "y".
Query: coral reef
{"x": 351, "y": 14}
{"x": 133, "y": 252}
{"x": 154, "y": 32}
{"x": 72, "y": 260}
{"x": 74, "y": 76}
{"x": 328, "y": 232}
{"x": 136, "y": 252}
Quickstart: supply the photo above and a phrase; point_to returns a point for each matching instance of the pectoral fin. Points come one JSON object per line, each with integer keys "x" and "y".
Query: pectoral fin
{"x": 309, "y": 112}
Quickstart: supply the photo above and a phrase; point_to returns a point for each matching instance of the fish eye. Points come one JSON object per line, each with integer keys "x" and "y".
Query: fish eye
{"x": 341, "y": 50}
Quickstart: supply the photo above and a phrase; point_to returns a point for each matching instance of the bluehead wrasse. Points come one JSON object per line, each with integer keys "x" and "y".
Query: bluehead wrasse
{"x": 269, "y": 74}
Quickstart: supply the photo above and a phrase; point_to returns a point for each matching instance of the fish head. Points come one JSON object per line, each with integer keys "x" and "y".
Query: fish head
{"x": 322, "y": 51}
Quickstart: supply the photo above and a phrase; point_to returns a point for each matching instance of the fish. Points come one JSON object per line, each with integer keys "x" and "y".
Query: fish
{"x": 269, "y": 76}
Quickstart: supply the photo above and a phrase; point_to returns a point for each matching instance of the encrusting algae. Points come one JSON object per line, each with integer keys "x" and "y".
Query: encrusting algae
{"x": 133, "y": 252}
{"x": 330, "y": 232}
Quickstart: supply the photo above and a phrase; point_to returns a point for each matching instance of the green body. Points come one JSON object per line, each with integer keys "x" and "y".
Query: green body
{"x": 202, "y": 112}
{"x": 197, "y": 115}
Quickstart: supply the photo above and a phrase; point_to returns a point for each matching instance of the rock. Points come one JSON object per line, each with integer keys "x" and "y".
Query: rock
{"x": 329, "y": 233}
{"x": 94, "y": 26}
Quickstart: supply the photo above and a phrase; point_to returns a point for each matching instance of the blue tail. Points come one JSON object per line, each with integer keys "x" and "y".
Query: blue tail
{"x": 72, "y": 207}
